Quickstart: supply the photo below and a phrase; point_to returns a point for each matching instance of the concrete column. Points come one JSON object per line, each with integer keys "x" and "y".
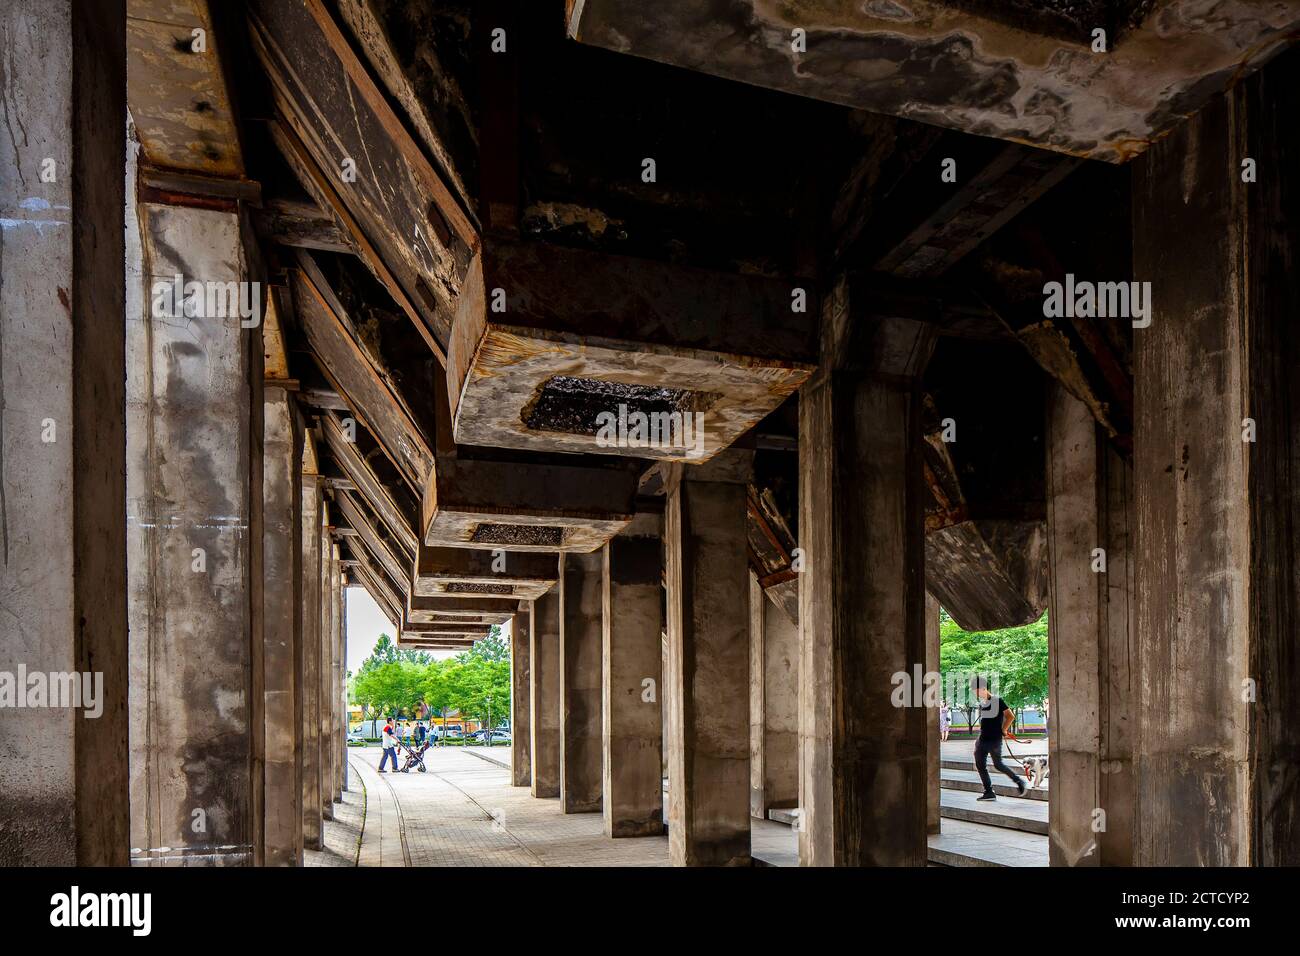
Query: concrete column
{"x": 521, "y": 747}
{"x": 1092, "y": 650}
{"x": 282, "y": 628}
{"x": 343, "y": 684}
{"x": 329, "y": 757}
{"x": 862, "y": 596}
{"x": 773, "y": 706}
{"x": 707, "y": 685}
{"x": 1217, "y": 483}
{"x": 580, "y": 682}
{"x": 194, "y": 507}
{"x": 631, "y": 649}
{"x": 311, "y": 664}
{"x": 337, "y": 714}
{"x": 544, "y": 694}
{"x": 933, "y": 752}
{"x": 63, "y": 800}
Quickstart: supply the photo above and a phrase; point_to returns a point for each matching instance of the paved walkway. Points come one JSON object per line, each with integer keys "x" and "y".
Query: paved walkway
{"x": 464, "y": 812}
{"x": 342, "y": 835}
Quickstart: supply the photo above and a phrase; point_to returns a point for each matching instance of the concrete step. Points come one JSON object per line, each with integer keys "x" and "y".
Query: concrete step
{"x": 782, "y": 816}
{"x": 1010, "y": 813}
{"x": 969, "y": 781}
{"x": 963, "y": 843}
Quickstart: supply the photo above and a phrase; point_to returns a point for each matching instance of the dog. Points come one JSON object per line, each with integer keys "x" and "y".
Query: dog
{"x": 1036, "y": 770}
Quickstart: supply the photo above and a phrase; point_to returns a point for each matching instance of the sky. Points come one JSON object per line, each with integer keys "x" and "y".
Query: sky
{"x": 366, "y": 622}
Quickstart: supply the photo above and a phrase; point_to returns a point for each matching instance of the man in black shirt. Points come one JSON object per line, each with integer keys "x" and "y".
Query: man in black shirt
{"x": 995, "y": 722}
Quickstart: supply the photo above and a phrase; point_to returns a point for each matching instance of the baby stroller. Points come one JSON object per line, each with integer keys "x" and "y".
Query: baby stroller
{"x": 414, "y": 756}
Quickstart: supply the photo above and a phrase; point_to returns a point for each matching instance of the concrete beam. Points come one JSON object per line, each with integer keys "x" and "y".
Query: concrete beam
{"x": 395, "y": 198}
{"x": 707, "y": 682}
{"x": 468, "y": 606}
{"x": 527, "y": 574}
{"x": 177, "y": 92}
{"x": 1004, "y": 70}
{"x": 382, "y": 501}
{"x": 547, "y": 338}
{"x": 63, "y": 537}
{"x": 494, "y": 505}
{"x": 374, "y": 398}
{"x": 377, "y": 584}
{"x": 384, "y": 552}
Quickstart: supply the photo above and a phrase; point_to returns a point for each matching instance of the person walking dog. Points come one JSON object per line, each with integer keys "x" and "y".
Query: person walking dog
{"x": 995, "y": 723}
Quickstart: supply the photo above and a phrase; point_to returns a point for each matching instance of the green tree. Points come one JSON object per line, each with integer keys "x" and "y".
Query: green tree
{"x": 1016, "y": 657}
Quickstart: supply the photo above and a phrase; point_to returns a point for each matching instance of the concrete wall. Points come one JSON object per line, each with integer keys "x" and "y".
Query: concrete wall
{"x": 62, "y": 431}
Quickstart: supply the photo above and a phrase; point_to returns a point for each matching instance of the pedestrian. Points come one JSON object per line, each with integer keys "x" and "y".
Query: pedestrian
{"x": 995, "y": 723}
{"x": 390, "y": 747}
{"x": 945, "y": 719}
{"x": 419, "y": 734}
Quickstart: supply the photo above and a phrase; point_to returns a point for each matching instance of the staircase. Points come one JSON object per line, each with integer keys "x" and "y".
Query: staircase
{"x": 1011, "y": 831}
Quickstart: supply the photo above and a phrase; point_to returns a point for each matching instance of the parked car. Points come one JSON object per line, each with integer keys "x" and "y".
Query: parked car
{"x": 356, "y": 738}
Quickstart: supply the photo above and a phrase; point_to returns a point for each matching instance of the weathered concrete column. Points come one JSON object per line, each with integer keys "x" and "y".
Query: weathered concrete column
{"x": 63, "y": 800}
{"x": 281, "y": 628}
{"x": 1217, "y": 483}
{"x": 1093, "y": 675}
{"x": 707, "y": 684}
{"x": 194, "y": 507}
{"x": 338, "y": 710}
{"x": 521, "y": 747}
{"x": 773, "y": 706}
{"x": 580, "y": 670}
{"x": 544, "y": 694}
{"x": 631, "y": 649}
{"x": 311, "y": 663}
{"x": 862, "y": 596}
{"x": 328, "y": 757}
{"x": 933, "y": 752}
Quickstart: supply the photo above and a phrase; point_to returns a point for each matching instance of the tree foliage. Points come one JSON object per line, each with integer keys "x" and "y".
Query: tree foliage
{"x": 1014, "y": 657}
{"x": 402, "y": 683}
